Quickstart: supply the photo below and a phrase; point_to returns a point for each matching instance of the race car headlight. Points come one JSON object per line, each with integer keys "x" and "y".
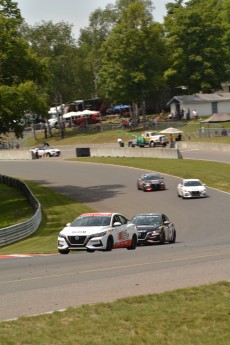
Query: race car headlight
{"x": 156, "y": 231}
{"x": 99, "y": 234}
{"x": 147, "y": 184}
{"x": 62, "y": 236}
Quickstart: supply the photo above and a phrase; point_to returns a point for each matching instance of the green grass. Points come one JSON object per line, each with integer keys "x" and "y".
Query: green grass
{"x": 195, "y": 316}
{"x": 57, "y": 210}
{"x": 15, "y": 208}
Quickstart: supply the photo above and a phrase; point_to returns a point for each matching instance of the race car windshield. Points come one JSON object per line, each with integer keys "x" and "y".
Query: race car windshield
{"x": 152, "y": 177}
{"x": 193, "y": 183}
{"x": 91, "y": 221}
{"x": 146, "y": 220}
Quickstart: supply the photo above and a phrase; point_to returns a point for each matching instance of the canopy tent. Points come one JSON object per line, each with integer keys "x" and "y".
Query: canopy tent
{"x": 79, "y": 113}
{"x": 217, "y": 117}
{"x": 89, "y": 112}
{"x": 120, "y": 107}
{"x": 171, "y": 130}
{"x": 72, "y": 113}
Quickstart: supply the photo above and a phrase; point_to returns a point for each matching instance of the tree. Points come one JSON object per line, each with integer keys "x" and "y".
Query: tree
{"x": 17, "y": 102}
{"x": 20, "y": 70}
{"x": 197, "y": 56}
{"x": 90, "y": 41}
{"x": 133, "y": 57}
{"x": 55, "y": 45}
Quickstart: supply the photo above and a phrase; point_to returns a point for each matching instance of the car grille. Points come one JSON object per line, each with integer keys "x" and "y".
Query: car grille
{"x": 155, "y": 186}
{"x": 195, "y": 193}
{"x": 141, "y": 235}
{"x": 77, "y": 239}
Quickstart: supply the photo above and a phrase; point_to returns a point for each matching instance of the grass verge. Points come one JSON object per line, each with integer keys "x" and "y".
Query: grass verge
{"x": 57, "y": 210}
{"x": 15, "y": 208}
{"x": 195, "y": 316}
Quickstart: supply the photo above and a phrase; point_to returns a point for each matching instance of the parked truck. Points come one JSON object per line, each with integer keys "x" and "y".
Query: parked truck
{"x": 151, "y": 139}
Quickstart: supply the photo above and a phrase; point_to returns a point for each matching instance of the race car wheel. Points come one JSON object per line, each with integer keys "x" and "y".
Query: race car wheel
{"x": 133, "y": 243}
{"x": 64, "y": 251}
{"x": 152, "y": 144}
{"x": 138, "y": 187}
{"x": 90, "y": 250}
{"x": 109, "y": 245}
{"x": 173, "y": 240}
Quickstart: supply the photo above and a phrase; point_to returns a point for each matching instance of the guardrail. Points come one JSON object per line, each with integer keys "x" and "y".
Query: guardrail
{"x": 22, "y": 230}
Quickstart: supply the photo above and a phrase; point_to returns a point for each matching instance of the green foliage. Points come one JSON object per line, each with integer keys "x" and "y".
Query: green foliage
{"x": 15, "y": 102}
{"x": 196, "y": 50}
{"x": 20, "y": 71}
{"x": 55, "y": 45}
{"x": 132, "y": 55}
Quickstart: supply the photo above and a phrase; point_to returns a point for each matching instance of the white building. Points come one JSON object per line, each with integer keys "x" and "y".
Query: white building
{"x": 205, "y": 104}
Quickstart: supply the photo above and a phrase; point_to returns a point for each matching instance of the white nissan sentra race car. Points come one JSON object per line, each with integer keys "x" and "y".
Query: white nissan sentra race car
{"x": 98, "y": 231}
{"x": 191, "y": 188}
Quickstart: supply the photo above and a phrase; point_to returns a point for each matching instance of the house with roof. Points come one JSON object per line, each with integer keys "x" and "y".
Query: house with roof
{"x": 204, "y": 104}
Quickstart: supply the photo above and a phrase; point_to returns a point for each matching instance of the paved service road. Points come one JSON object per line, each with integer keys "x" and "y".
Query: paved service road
{"x": 200, "y": 255}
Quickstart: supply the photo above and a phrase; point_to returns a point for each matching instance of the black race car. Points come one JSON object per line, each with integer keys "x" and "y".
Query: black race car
{"x": 150, "y": 181}
{"x": 154, "y": 228}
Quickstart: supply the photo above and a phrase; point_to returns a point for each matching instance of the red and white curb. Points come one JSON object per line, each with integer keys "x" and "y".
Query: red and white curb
{"x": 12, "y": 256}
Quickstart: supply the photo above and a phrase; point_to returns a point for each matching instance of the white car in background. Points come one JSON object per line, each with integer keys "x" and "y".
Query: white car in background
{"x": 46, "y": 151}
{"x": 191, "y": 188}
{"x": 98, "y": 231}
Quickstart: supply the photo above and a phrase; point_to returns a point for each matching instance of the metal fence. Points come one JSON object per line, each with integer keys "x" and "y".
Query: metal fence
{"x": 22, "y": 230}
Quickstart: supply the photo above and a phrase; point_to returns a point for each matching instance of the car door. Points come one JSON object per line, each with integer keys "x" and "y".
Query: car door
{"x": 116, "y": 229}
{"x": 122, "y": 231}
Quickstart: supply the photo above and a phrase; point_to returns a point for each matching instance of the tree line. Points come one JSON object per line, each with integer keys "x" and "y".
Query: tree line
{"x": 123, "y": 55}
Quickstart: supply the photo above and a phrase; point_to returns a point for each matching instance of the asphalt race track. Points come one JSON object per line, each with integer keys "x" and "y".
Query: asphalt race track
{"x": 200, "y": 255}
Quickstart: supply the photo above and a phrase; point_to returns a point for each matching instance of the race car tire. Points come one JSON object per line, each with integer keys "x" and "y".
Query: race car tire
{"x": 173, "y": 240}
{"x": 151, "y": 144}
{"x": 138, "y": 187}
{"x": 90, "y": 250}
{"x": 64, "y": 251}
{"x": 133, "y": 243}
{"x": 109, "y": 245}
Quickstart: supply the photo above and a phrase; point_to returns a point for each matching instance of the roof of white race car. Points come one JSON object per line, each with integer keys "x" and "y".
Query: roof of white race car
{"x": 97, "y": 214}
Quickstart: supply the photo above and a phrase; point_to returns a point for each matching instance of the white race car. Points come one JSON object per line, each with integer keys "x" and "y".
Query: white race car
{"x": 98, "y": 231}
{"x": 46, "y": 151}
{"x": 191, "y": 188}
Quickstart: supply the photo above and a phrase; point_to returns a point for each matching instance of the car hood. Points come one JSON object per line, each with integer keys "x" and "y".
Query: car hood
{"x": 83, "y": 230}
{"x": 147, "y": 227}
{"x": 152, "y": 181}
{"x": 192, "y": 188}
